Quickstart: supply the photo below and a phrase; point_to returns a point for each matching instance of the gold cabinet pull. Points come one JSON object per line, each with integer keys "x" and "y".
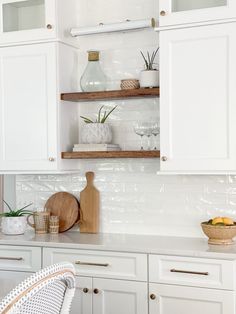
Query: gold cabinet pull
{"x": 11, "y": 258}
{"x": 153, "y": 296}
{"x": 92, "y": 264}
{"x": 189, "y": 272}
{"x": 85, "y": 290}
{"x": 163, "y": 13}
{"x": 95, "y": 291}
{"x": 49, "y": 26}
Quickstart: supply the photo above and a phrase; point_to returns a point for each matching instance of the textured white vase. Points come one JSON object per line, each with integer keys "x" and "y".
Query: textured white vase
{"x": 149, "y": 78}
{"x": 96, "y": 133}
{"x": 14, "y": 225}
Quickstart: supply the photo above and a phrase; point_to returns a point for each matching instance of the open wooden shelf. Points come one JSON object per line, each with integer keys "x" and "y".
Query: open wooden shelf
{"x": 114, "y": 94}
{"x": 113, "y": 154}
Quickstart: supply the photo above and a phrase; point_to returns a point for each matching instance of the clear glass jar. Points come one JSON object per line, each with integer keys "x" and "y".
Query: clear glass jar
{"x": 93, "y": 79}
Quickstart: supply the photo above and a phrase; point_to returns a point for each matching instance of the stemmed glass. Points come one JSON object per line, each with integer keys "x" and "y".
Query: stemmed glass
{"x": 155, "y": 132}
{"x": 139, "y": 130}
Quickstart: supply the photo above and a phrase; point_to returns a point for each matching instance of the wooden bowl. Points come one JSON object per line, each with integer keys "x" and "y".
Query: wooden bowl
{"x": 219, "y": 234}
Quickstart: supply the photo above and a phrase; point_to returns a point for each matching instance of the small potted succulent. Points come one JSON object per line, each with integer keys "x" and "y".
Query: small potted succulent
{"x": 14, "y": 222}
{"x": 97, "y": 131}
{"x": 149, "y": 77}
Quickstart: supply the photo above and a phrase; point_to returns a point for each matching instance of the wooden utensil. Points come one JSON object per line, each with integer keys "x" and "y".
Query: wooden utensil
{"x": 89, "y": 204}
{"x": 66, "y": 206}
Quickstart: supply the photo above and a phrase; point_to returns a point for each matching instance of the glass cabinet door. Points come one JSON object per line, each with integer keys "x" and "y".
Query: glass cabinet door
{"x": 173, "y": 12}
{"x": 23, "y": 20}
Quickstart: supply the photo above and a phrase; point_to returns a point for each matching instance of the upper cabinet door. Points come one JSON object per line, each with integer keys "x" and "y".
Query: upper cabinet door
{"x": 174, "y": 12}
{"x": 28, "y": 108}
{"x": 198, "y": 97}
{"x": 27, "y": 20}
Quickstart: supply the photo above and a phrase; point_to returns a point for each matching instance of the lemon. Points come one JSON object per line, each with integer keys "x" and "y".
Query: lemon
{"x": 228, "y": 221}
{"x": 217, "y": 220}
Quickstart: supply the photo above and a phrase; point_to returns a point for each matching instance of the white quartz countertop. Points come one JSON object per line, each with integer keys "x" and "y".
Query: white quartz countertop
{"x": 194, "y": 247}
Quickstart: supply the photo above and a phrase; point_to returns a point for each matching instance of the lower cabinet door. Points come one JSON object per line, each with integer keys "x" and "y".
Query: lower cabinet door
{"x": 9, "y": 280}
{"x": 167, "y": 299}
{"x": 119, "y": 297}
{"x": 82, "y": 302}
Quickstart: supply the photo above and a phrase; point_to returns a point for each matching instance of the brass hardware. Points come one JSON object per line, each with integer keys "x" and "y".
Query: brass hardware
{"x": 49, "y": 26}
{"x": 164, "y": 158}
{"x": 163, "y": 13}
{"x": 92, "y": 264}
{"x": 95, "y": 291}
{"x": 51, "y": 159}
{"x": 153, "y": 296}
{"x": 189, "y": 272}
{"x": 85, "y": 290}
{"x": 12, "y": 258}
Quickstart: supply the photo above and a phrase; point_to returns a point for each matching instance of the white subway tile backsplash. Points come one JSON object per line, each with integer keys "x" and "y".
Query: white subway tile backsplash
{"x": 135, "y": 199}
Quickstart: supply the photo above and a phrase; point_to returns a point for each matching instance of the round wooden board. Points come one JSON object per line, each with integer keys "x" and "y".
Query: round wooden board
{"x": 66, "y": 206}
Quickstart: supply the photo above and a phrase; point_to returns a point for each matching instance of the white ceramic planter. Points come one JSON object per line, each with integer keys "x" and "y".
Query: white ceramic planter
{"x": 14, "y": 225}
{"x": 149, "y": 78}
{"x": 96, "y": 133}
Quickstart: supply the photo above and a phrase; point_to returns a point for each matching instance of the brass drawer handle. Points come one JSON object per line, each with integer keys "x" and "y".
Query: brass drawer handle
{"x": 11, "y": 258}
{"x": 189, "y": 272}
{"x": 92, "y": 264}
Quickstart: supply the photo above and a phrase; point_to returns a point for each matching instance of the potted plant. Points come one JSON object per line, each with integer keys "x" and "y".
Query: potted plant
{"x": 149, "y": 77}
{"x": 14, "y": 221}
{"x": 97, "y": 131}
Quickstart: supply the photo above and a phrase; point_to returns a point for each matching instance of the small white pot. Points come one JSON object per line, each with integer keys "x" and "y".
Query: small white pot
{"x": 14, "y": 225}
{"x": 149, "y": 78}
{"x": 96, "y": 133}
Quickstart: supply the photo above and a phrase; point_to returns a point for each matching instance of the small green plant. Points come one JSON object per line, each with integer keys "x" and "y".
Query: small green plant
{"x": 149, "y": 60}
{"x": 16, "y": 213}
{"x": 102, "y": 116}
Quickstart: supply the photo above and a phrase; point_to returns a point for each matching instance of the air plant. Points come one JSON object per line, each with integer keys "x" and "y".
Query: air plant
{"x": 149, "y": 60}
{"x": 17, "y": 212}
{"x": 101, "y": 118}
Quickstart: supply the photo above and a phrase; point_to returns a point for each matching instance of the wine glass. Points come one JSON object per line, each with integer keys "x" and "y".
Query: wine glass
{"x": 155, "y": 132}
{"x": 139, "y": 130}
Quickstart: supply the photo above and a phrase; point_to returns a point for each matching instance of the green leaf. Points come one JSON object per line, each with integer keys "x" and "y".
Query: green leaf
{"x": 86, "y": 120}
{"x": 105, "y": 118}
{"x": 145, "y": 60}
{"x": 99, "y": 114}
{"x": 9, "y": 207}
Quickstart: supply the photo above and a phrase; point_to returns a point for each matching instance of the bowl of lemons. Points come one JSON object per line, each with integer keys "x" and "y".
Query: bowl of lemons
{"x": 220, "y": 230}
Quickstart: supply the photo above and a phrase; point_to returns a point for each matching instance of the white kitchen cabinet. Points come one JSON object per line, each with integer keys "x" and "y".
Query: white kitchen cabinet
{"x": 34, "y": 20}
{"x": 9, "y": 280}
{"x": 198, "y": 96}
{"x": 174, "y": 12}
{"x": 34, "y": 125}
{"x": 119, "y": 296}
{"x": 106, "y": 296}
{"x": 167, "y": 299}
{"x": 82, "y": 302}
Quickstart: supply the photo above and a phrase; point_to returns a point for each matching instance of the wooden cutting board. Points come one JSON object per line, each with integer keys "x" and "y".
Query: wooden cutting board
{"x": 89, "y": 207}
{"x": 66, "y": 206}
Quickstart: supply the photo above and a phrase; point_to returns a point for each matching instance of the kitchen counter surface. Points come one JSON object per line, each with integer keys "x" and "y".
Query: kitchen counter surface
{"x": 193, "y": 247}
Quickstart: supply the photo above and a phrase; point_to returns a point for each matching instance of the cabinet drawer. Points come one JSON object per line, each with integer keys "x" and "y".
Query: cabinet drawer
{"x": 101, "y": 264}
{"x": 20, "y": 258}
{"x": 199, "y": 272}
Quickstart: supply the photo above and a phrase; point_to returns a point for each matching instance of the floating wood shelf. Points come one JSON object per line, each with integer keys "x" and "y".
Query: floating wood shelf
{"x": 113, "y": 154}
{"x": 114, "y": 94}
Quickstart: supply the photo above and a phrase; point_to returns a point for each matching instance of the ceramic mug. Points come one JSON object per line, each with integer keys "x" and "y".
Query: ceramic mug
{"x": 41, "y": 222}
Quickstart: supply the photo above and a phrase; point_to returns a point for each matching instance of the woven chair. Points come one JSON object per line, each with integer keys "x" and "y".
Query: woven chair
{"x": 49, "y": 291}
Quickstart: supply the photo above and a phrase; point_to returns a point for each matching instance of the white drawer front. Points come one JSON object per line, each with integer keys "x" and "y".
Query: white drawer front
{"x": 101, "y": 264}
{"x": 20, "y": 258}
{"x": 199, "y": 272}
